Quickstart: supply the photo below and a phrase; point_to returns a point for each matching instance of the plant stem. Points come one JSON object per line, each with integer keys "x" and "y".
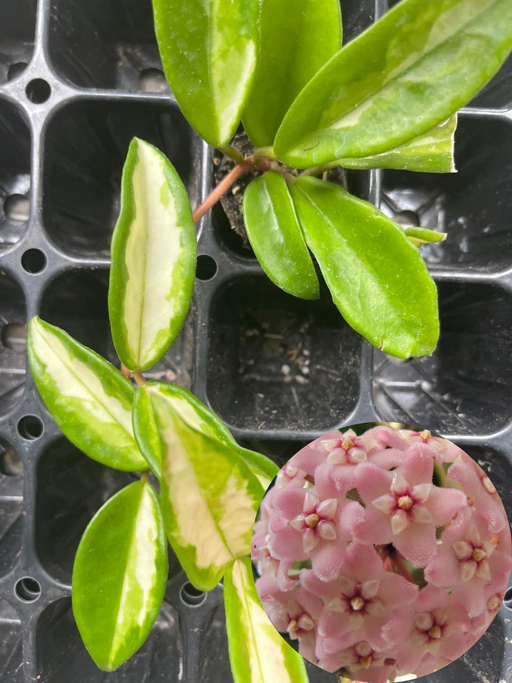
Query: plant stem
{"x": 140, "y": 379}
{"x": 221, "y": 189}
{"x": 402, "y": 568}
{"x": 144, "y": 476}
{"x": 232, "y": 154}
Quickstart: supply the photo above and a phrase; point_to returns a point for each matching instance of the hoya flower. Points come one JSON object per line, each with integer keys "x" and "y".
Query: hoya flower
{"x": 404, "y": 507}
{"x": 371, "y": 566}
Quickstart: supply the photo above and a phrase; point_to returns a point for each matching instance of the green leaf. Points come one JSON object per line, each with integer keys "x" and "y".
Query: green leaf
{"x": 119, "y": 575}
{"x": 209, "y": 498}
{"x": 196, "y": 415}
{"x": 429, "y": 153}
{"x": 276, "y": 237}
{"x": 297, "y": 38}
{"x": 420, "y": 236}
{"x": 377, "y": 279}
{"x": 209, "y": 53}
{"x": 89, "y": 398}
{"x": 257, "y": 652}
{"x": 153, "y": 259}
{"x": 409, "y": 72}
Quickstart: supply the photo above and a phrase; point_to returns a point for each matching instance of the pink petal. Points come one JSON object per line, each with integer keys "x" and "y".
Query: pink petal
{"x": 286, "y": 544}
{"x": 471, "y": 595}
{"x": 464, "y": 472}
{"x": 396, "y": 592}
{"x": 313, "y": 455}
{"x": 372, "y": 482}
{"x": 327, "y": 560}
{"x": 310, "y": 603}
{"x": 289, "y": 501}
{"x": 493, "y": 512}
{"x": 284, "y": 581}
{"x": 430, "y": 598}
{"x": 372, "y": 632}
{"x": 443, "y": 569}
{"x": 399, "y": 628}
{"x": 333, "y": 625}
{"x": 376, "y": 608}
{"x": 326, "y": 481}
{"x": 390, "y": 457}
{"x": 368, "y": 525}
{"x": 386, "y": 436}
{"x": 418, "y": 466}
{"x": 417, "y": 543}
{"x": 500, "y": 566}
{"x": 322, "y": 589}
{"x": 362, "y": 562}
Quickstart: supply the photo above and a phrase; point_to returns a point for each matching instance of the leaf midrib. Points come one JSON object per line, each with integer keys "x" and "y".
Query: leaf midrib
{"x": 244, "y": 599}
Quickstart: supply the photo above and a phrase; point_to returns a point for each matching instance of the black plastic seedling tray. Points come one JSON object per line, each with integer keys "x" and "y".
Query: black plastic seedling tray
{"x": 78, "y": 79}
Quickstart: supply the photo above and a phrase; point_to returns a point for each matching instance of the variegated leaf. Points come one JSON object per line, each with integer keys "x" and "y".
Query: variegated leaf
{"x": 89, "y": 398}
{"x": 209, "y": 54}
{"x": 257, "y": 652}
{"x": 119, "y": 575}
{"x": 153, "y": 259}
{"x": 196, "y": 415}
{"x": 209, "y": 498}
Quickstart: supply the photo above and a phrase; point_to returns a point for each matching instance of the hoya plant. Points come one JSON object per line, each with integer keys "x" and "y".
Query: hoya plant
{"x": 388, "y": 99}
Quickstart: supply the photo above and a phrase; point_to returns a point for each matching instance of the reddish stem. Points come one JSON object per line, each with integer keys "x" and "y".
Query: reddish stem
{"x": 402, "y": 568}
{"x": 221, "y": 189}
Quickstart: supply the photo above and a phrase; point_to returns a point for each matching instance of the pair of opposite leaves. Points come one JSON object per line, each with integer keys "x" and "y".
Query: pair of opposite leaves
{"x": 211, "y": 488}
{"x": 278, "y": 65}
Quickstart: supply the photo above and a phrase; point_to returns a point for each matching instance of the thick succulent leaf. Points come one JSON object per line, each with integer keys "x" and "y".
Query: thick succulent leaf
{"x": 88, "y": 398}
{"x": 209, "y": 52}
{"x": 420, "y": 236}
{"x": 209, "y": 498}
{"x": 409, "y": 72}
{"x": 298, "y": 37}
{"x": 257, "y": 652}
{"x": 153, "y": 259}
{"x": 275, "y": 235}
{"x": 377, "y": 279}
{"x": 429, "y": 153}
{"x": 119, "y": 575}
{"x": 196, "y": 415}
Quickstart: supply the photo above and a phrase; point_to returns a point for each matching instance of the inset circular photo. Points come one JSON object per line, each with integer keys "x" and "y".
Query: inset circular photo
{"x": 383, "y": 552}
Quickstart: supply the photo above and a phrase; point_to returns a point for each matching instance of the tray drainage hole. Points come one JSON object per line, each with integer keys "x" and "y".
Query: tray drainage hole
{"x": 408, "y": 219}
{"x": 17, "y": 208}
{"x": 153, "y": 80}
{"x": 33, "y": 261}
{"x": 191, "y": 595}
{"x": 30, "y": 427}
{"x": 38, "y": 91}
{"x": 27, "y": 589}
{"x": 14, "y": 336}
{"x": 206, "y": 268}
{"x": 16, "y": 70}
{"x": 10, "y": 462}
{"x": 508, "y": 598}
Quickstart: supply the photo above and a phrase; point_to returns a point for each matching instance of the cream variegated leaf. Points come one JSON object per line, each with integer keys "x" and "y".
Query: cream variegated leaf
{"x": 153, "y": 259}
{"x": 119, "y": 575}
{"x": 89, "y": 398}
{"x": 209, "y": 498}
{"x": 257, "y": 652}
{"x": 196, "y": 415}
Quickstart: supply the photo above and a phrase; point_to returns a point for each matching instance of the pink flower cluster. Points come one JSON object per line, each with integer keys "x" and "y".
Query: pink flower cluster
{"x": 372, "y": 568}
